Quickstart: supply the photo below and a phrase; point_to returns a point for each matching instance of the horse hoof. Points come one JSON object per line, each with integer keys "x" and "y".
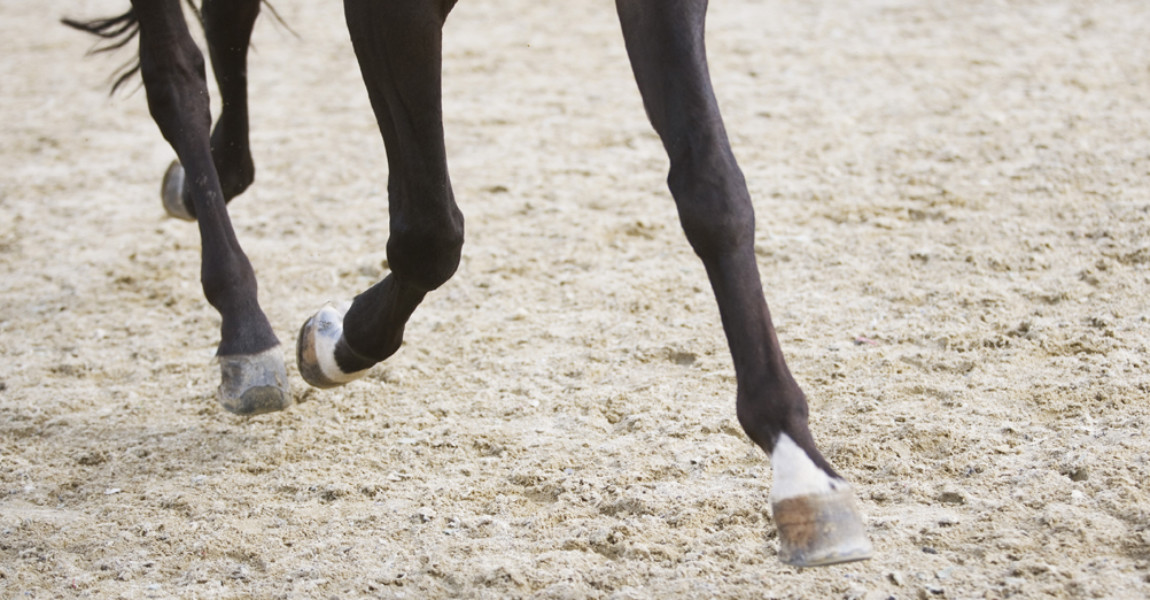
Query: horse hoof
{"x": 172, "y": 192}
{"x": 821, "y": 529}
{"x": 253, "y": 384}
{"x": 315, "y": 348}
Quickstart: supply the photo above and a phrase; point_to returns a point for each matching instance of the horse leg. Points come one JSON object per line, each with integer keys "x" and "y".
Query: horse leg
{"x": 228, "y": 29}
{"x": 398, "y": 46}
{"x": 251, "y": 362}
{"x": 813, "y": 506}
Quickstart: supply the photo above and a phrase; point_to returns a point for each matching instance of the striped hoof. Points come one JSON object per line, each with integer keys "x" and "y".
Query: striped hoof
{"x": 315, "y": 348}
{"x": 821, "y": 529}
{"x": 172, "y": 192}
{"x": 253, "y": 384}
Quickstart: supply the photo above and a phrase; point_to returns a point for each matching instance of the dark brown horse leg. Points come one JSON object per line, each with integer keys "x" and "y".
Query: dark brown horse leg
{"x": 251, "y": 362}
{"x": 228, "y": 30}
{"x": 398, "y": 46}
{"x": 813, "y": 506}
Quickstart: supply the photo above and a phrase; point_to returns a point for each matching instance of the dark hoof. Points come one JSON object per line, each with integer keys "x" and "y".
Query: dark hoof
{"x": 315, "y": 349}
{"x": 816, "y": 530}
{"x": 172, "y": 192}
{"x": 254, "y": 384}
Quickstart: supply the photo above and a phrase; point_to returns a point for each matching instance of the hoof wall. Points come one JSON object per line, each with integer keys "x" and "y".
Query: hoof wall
{"x": 816, "y": 530}
{"x": 254, "y": 384}
{"x": 172, "y": 192}
{"x": 315, "y": 349}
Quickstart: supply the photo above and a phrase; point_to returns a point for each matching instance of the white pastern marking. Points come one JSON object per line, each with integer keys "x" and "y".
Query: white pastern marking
{"x": 796, "y": 474}
{"x": 328, "y": 330}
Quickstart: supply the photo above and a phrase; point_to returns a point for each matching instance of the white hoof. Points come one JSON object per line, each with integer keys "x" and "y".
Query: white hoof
{"x": 821, "y": 529}
{"x": 315, "y": 348}
{"x": 818, "y": 521}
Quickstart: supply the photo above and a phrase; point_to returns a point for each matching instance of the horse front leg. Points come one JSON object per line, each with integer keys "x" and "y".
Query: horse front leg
{"x": 398, "y": 45}
{"x": 228, "y": 30}
{"x": 813, "y": 506}
{"x": 251, "y": 363}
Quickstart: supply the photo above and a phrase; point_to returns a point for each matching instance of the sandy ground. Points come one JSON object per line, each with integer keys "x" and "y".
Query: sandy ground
{"x": 953, "y": 204}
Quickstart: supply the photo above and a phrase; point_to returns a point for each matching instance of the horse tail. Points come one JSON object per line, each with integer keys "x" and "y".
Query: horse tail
{"x": 117, "y": 33}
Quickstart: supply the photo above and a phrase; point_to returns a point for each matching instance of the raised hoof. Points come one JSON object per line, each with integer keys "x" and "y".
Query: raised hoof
{"x": 816, "y": 530}
{"x": 253, "y": 384}
{"x": 315, "y": 349}
{"x": 172, "y": 192}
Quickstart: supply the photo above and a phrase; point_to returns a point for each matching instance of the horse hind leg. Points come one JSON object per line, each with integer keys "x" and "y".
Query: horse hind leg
{"x": 813, "y": 506}
{"x": 398, "y": 46}
{"x": 253, "y": 378}
{"x": 227, "y": 29}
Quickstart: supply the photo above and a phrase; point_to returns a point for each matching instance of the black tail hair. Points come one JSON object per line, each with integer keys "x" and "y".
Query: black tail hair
{"x": 119, "y": 31}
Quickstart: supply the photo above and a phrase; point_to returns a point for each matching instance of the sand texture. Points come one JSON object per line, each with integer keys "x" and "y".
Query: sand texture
{"x": 953, "y": 228}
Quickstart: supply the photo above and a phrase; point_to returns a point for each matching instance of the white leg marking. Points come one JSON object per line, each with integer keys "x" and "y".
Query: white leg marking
{"x": 328, "y": 330}
{"x": 796, "y": 474}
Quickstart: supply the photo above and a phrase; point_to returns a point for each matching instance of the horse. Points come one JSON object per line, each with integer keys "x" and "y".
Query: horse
{"x": 398, "y": 46}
